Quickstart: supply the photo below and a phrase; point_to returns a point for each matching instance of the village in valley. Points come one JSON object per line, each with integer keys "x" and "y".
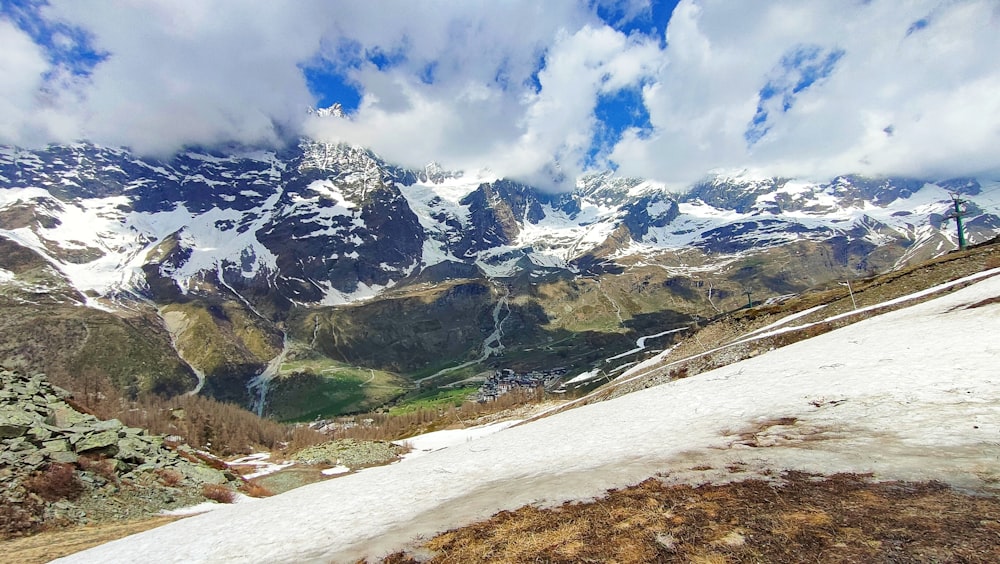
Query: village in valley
{"x": 506, "y": 380}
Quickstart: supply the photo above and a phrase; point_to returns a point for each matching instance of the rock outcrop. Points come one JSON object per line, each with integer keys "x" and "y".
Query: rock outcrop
{"x": 60, "y": 465}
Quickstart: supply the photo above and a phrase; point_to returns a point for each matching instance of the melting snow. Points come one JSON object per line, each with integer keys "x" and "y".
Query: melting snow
{"x": 911, "y": 394}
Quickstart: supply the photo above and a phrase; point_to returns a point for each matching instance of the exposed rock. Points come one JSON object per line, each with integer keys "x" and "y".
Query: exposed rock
{"x": 121, "y": 468}
{"x": 105, "y": 441}
{"x": 14, "y": 422}
{"x": 351, "y": 453}
{"x": 202, "y": 474}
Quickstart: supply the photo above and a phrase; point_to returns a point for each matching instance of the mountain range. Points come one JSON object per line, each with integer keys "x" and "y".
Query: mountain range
{"x": 266, "y": 277}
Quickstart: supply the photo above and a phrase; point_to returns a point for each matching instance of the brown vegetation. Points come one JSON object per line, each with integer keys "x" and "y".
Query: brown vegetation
{"x": 253, "y": 489}
{"x": 58, "y": 481}
{"x": 22, "y": 518}
{"x": 169, "y": 477}
{"x": 841, "y": 518}
{"x": 219, "y": 493}
{"x": 202, "y": 422}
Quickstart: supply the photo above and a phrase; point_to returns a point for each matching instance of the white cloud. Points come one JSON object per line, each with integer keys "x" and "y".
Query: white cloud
{"x": 192, "y": 71}
{"x": 513, "y": 85}
{"x": 22, "y": 66}
{"x": 465, "y": 119}
{"x": 894, "y": 104}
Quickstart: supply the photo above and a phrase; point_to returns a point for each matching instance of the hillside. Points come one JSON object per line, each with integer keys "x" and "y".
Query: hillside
{"x": 874, "y": 397}
{"x": 63, "y": 467}
{"x": 281, "y": 279}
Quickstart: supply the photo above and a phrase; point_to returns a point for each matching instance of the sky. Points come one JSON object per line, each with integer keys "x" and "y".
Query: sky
{"x": 537, "y": 91}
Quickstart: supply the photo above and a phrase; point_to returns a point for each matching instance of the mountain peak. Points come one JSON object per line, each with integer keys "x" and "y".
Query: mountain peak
{"x": 336, "y": 110}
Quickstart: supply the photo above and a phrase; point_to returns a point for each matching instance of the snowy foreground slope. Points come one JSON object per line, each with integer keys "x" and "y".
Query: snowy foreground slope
{"x": 912, "y": 394}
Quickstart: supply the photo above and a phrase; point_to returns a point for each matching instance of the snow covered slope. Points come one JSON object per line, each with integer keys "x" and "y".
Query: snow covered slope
{"x": 878, "y": 396}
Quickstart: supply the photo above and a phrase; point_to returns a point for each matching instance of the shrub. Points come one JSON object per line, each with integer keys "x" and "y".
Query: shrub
{"x": 99, "y": 465}
{"x": 219, "y": 493}
{"x": 58, "y": 481}
{"x": 253, "y": 489}
{"x": 169, "y": 477}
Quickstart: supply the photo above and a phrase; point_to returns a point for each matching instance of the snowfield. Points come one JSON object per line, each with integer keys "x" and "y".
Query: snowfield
{"x": 912, "y": 394}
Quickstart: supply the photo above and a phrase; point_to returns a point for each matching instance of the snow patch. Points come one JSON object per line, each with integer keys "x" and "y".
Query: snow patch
{"x": 838, "y": 393}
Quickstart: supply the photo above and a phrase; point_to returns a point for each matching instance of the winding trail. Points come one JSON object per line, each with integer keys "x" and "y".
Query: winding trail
{"x": 489, "y": 348}
{"x": 640, "y": 343}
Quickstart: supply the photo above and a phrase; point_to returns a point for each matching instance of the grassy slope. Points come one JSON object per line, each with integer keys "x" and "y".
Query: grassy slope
{"x": 76, "y": 344}
{"x": 44, "y": 327}
{"x": 225, "y": 341}
{"x": 311, "y": 386}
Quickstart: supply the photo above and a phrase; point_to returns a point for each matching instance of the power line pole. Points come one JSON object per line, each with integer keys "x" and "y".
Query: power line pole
{"x": 850, "y": 291}
{"x": 957, "y": 216}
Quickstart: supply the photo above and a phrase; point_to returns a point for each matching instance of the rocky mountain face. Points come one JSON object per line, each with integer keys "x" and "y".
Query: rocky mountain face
{"x": 58, "y": 465}
{"x": 233, "y": 257}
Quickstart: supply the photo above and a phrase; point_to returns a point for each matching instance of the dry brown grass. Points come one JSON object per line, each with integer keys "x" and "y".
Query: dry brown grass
{"x": 169, "y": 477}
{"x": 48, "y": 546}
{"x": 841, "y": 518}
{"x": 253, "y": 489}
{"x": 57, "y": 481}
{"x": 219, "y": 493}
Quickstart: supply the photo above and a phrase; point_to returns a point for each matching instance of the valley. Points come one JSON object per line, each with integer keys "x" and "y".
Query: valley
{"x": 748, "y": 433}
{"x": 320, "y": 280}
{"x": 581, "y": 281}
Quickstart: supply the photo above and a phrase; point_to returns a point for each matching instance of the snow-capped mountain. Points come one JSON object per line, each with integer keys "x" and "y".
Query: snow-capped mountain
{"x": 328, "y": 224}
{"x": 232, "y": 258}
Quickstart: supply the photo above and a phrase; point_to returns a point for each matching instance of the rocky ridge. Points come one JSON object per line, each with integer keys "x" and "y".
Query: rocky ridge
{"x": 61, "y": 466}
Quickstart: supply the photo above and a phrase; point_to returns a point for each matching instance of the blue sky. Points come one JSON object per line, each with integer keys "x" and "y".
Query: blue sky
{"x": 665, "y": 90}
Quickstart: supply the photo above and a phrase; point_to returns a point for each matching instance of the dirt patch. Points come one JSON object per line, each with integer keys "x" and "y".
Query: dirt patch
{"x": 48, "y": 546}
{"x": 840, "y": 518}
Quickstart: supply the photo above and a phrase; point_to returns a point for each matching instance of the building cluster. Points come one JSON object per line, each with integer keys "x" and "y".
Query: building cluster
{"x": 506, "y": 380}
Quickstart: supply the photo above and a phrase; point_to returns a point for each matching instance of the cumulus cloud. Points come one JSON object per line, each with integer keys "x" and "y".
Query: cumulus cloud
{"x": 865, "y": 89}
{"x": 23, "y": 66}
{"x": 784, "y": 87}
{"x": 537, "y": 131}
{"x": 192, "y": 71}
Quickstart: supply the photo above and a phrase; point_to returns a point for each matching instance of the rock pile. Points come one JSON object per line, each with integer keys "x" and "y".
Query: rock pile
{"x": 351, "y": 453}
{"x": 111, "y": 463}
